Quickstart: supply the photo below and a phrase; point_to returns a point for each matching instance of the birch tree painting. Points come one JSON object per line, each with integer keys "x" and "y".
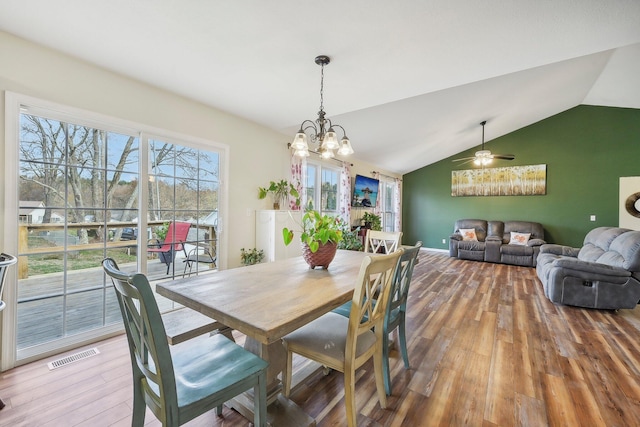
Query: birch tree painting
{"x": 530, "y": 180}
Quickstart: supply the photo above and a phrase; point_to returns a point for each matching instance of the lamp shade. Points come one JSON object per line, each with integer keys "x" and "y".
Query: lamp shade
{"x": 300, "y": 141}
{"x": 330, "y": 141}
{"x": 345, "y": 147}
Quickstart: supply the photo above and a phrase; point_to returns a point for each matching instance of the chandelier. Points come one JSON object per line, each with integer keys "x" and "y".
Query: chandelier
{"x": 321, "y": 131}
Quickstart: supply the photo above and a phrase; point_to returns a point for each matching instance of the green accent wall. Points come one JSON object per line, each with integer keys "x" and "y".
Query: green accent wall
{"x": 586, "y": 150}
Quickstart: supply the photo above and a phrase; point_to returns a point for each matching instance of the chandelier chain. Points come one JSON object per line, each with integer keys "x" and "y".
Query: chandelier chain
{"x": 322, "y": 87}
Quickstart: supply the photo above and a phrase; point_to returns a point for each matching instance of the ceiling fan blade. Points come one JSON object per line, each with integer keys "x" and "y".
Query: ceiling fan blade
{"x": 504, "y": 156}
{"x": 463, "y": 159}
{"x": 467, "y": 160}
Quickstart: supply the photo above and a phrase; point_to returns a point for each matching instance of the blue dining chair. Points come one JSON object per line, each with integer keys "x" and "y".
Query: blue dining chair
{"x": 396, "y": 311}
{"x": 180, "y": 382}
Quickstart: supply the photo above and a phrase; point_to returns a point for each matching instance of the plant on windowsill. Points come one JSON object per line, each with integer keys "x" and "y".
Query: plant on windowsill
{"x": 372, "y": 221}
{"x": 320, "y": 235}
{"x": 251, "y": 256}
{"x": 280, "y": 192}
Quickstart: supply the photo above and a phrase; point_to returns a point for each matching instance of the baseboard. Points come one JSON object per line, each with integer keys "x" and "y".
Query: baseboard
{"x": 446, "y": 251}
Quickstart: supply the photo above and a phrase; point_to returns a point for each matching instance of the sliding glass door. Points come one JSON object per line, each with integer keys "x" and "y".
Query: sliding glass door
{"x": 86, "y": 192}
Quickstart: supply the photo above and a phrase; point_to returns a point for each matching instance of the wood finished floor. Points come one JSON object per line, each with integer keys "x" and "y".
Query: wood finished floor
{"x": 486, "y": 349}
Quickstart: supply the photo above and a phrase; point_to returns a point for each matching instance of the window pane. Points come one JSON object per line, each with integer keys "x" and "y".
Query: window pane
{"x": 122, "y": 152}
{"x": 311, "y": 187}
{"x": 329, "y": 190}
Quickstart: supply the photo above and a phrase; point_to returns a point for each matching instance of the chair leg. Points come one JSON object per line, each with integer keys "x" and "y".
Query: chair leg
{"x": 139, "y": 407}
{"x": 1, "y": 404}
{"x": 385, "y": 364}
{"x": 379, "y": 374}
{"x": 403, "y": 343}
{"x": 350, "y": 397}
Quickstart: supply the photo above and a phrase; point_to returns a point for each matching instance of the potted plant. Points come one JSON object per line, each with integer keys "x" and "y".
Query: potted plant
{"x": 251, "y": 256}
{"x": 320, "y": 237}
{"x": 372, "y": 221}
{"x": 280, "y": 191}
{"x": 350, "y": 239}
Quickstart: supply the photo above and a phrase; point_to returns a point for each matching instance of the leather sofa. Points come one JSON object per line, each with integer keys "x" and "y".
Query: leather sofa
{"x": 604, "y": 273}
{"x": 505, "y": 242}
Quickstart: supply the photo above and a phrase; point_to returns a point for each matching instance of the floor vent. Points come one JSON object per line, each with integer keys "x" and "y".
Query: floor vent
{"x": 72, "y": 358}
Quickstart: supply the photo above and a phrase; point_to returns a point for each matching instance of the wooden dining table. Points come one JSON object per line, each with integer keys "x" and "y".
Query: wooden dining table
{"x": 266, "y": 302}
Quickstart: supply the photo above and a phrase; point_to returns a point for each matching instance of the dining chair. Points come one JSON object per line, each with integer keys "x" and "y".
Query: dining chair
{"x": 174, "y": 242}
{"x": 203, "y": 252}
{"x": 6, "y": 260}
{"x": 381, "y": 241}
{"x": 395, "y": 313}
{"x": 188, "y": 379}
{"x": 345, "y": 344}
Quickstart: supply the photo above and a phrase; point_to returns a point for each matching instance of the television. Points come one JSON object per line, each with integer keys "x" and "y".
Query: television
{"x": 365, "y": 192}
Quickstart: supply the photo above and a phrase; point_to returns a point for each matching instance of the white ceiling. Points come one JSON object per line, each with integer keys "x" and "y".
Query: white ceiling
{"x": 409, "y": 80}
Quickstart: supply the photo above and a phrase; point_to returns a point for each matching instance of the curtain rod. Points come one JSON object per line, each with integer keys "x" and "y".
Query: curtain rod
{"x": 388, "y": 176}
{"x": 333, "y": 158}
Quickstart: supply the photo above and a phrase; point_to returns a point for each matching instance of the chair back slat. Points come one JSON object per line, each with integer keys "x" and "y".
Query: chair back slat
{"x": 381, "y": 241}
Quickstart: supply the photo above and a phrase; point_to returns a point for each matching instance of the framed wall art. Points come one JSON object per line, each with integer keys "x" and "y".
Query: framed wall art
{"x": 528, "y": 180}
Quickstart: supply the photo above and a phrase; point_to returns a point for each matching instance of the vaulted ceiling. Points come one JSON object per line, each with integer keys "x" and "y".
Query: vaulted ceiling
{"x": 410, "y": 81}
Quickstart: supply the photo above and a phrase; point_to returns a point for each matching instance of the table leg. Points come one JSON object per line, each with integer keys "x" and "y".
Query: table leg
{"x": 280, "y": 410}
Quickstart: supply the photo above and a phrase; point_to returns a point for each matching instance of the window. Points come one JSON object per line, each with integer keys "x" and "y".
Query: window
{"x": 326, "y": 179}
{"x": 388, "y": 204}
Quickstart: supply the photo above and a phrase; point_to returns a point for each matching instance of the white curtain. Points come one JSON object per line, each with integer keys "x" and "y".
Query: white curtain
{"x": 345, "y": 193}
{"x": 298, "y": 166}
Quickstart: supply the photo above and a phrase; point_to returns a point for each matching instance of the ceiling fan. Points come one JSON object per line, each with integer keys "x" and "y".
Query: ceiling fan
{"x": 484, "y": 157}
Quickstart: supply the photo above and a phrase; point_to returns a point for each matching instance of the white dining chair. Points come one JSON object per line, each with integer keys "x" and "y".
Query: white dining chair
{"x": 345, "y": 344}
{"x": 382, "y": 241}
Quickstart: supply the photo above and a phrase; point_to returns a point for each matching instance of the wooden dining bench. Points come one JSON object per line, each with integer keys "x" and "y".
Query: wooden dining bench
{"x": 184, "y": 323}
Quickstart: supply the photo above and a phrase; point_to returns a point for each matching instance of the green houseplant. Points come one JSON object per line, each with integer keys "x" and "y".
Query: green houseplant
{"x": 372, "y": 221}
{"x": 316, "y": 229}
{"x": 251, "y": 256}
{"x": 350, "y": 239}
{"x": 320, "y": 237}
{"x": 280, "y": 191}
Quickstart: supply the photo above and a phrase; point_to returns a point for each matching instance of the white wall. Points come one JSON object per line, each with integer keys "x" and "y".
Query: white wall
{"x": 257, "y": 154}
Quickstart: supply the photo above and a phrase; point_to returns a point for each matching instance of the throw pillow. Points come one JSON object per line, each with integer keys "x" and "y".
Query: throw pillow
{"x": 469, "y": 234}
{"x": 519, "y": 238}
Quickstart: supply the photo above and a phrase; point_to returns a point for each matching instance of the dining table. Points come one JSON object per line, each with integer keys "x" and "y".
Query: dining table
{"x": 265, "y": 302}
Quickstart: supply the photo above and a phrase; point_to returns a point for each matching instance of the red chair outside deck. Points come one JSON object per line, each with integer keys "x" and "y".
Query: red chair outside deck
{"x": 174, "y": 242}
